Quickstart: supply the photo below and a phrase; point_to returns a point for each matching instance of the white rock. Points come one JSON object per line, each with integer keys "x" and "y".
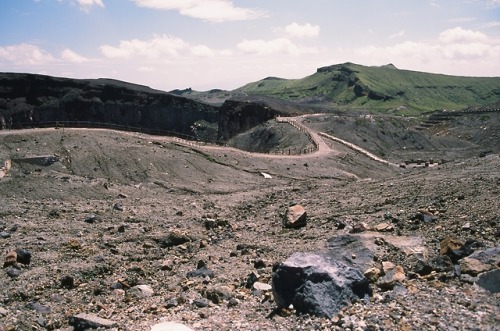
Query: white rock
{"x": 262, "y": 286}
{"x": 170, "y": 326}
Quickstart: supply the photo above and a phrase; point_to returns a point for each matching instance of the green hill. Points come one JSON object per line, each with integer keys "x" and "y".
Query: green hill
{"x": 386, "y": 88}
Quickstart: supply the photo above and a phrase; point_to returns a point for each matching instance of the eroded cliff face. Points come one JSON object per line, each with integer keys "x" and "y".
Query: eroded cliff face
{"x": 31, "y": 100}
{"x": 238, "y": 116}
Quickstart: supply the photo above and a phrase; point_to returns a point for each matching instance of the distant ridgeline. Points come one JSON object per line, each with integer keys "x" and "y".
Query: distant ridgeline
{"x": 28, "y": 100}
{"x": 386, "y": 88}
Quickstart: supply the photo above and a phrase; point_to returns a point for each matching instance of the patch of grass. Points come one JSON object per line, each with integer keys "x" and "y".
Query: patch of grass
{"x": 383, "y": 89}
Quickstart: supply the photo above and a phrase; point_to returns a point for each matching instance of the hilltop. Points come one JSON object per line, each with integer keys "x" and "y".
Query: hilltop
{"x": 385, "y": 88}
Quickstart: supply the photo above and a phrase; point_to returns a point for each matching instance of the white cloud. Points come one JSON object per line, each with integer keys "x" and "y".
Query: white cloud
{"x": 461, "y": 35}
{"x": 302, "y": 31}
{"x": 275, "y": 46}
{"x": 397, "y": 34}
{"x": 86, "y": 5}
{"x": 160, "y": 47}
{"x": 455, "y": 51}
{"x": 208, "y": 10}
{"x": 25, "y": 54}
{"x": 70, "y": 56}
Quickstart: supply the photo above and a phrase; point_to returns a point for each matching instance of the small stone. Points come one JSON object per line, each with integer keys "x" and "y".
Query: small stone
{"x": 4, "y": 235}
{"x": 38, "y": 307}
{"x": 67, "y": 282}
{"x": 233, "y": 302}
{"x": 118, "y": 206}
{"x": 141, "y": 291}
{"x": 3, "y": 312}
{"x": 262, "y": 286}
{"x": 384, "y": 227}
{"x": 295, "y": 217}
{"x": 251, "y": 279}
{"x": 23, "y": 256}
{"x": 13, "y": 272}
{"x": 89, "y": 321}
{"x": 121, "y": 228}
{"x": 473, "y": 267}
{"x": 171, "y": 303}
{"x": 466, "y": 226}
{"x": 259, "y": 264}
{"x": 170, "y": 326}
{"x": 10, "y": 259}
{"x": 372, "y": 274}
{"x": 490, "y": 281}
{"x": 218, "y": 294}
{"x": 201, "y": 272}
{"x": 387, "y": 266}
{"x": 449, "y": 244}
{"x": 358, "y": 228}
{"x": 201, "y": 303}
{"x": 90, "y": 218}
{"x": 393, "y": 276}
{"x": 174, "y": 238}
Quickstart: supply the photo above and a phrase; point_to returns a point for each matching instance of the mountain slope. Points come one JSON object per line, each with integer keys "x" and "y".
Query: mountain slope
{"x": 352, "y": 86}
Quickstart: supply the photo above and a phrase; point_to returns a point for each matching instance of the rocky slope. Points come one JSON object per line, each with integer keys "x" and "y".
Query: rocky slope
{"x": 131, "y": 230}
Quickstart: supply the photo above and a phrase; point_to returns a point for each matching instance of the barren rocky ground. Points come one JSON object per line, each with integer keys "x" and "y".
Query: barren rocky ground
{"x": 138, "y": 229}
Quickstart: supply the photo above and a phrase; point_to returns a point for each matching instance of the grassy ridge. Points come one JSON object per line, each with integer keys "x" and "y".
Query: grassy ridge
{"x": 349, "y": 86}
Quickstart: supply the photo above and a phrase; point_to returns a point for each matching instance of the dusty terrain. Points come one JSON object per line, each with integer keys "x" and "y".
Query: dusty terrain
{"x": 124, "y": 209}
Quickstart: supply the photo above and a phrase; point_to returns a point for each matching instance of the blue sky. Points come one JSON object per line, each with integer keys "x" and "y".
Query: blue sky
{"x": 205, "y": 44}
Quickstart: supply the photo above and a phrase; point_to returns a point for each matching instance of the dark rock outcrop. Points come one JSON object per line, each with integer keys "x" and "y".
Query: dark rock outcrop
{"x": 28, "y": 100}
{"x": 238, "y": 116}
{"x": 317, "y": 284}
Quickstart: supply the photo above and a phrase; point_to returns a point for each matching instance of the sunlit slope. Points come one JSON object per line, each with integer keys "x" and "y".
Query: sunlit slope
{"x": 352, "y": 86}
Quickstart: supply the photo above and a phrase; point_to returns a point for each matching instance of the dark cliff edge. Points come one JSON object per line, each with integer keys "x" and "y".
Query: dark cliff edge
{"x": 31, "y": 101}
{"x": 238, "y": 116}
{"x": 28, "y": 100}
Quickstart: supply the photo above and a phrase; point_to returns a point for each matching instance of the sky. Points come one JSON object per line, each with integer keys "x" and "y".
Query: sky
{"x": 207, "y": 44}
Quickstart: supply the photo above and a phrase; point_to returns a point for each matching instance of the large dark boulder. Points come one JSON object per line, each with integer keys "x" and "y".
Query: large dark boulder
{"x": 318, "y": 284}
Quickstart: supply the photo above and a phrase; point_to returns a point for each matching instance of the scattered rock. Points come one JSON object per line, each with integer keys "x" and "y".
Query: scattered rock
{"x": 317, "y": 284}
{"x": 118, "y": 206}
{"x": 201, "y": 302}
{"x": 141, "y": 291}
{"x": 372, "y": 274}
{"x": 425, "y": 216}
{"x": 170, "y": 326}
{"x": 201, "y": 271}
{"x": 262, "y": 286}
{"x": 39, "y": 308}
{"x": 90, "y": 218}
{"x": 218, "y": 294}
{"x": 10, "y": 259}
{"x": 391, "y": 278}
{"x": 384, "y": 227}
{"x": 251, "y": 279}
{"x": 23, "y": 256}
{"x": 358, "y": 228}
{"x": 3, "y": 312}
{"x": 448, "y": 245}
{"x": 481, "y": 261}
{"x": 67, "y": 282}
{"x": 295, "y": 217}
{"x": 174, "y": 238}
{"x": 4, "y": 235}
{"x": 490, "y": 281}
{"x": 84, "y": 321}
{"x": 13, "y": 272}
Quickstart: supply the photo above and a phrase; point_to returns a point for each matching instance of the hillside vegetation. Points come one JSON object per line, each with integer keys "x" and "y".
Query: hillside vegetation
{"x": 386, "y": 88}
